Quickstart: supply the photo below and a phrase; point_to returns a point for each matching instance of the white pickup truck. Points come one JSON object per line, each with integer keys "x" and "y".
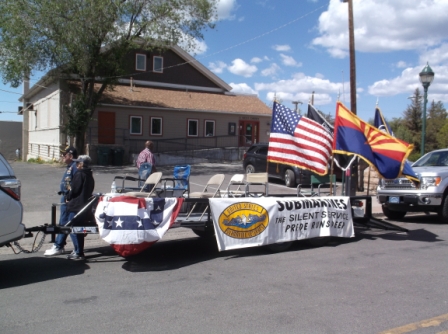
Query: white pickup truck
{"x": 401, "y": 195}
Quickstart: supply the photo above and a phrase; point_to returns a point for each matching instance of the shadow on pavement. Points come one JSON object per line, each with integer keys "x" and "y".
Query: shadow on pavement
{"x": 421, "y": 235}
{"x": 171, "y": 255}
{"x": 23, "y": 271}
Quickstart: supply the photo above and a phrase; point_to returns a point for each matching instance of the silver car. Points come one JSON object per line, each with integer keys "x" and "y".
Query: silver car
{"x": 11, "y": 209}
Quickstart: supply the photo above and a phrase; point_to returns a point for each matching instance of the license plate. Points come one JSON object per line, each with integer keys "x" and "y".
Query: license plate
{"x": 393, "y": 199}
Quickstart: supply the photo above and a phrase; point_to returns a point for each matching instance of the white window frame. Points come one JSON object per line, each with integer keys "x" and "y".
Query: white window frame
{"x": 161, "y": 126}
{"x": 205, "y": 128}
{"x": 137, "y": 55}
{"x": 130, "y": 125}
{"x": 192, "y": 120}
{"x": 154, "y": 64}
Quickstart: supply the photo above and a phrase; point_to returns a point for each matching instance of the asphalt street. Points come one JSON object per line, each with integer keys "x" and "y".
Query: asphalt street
{"x": 380, "y": 281}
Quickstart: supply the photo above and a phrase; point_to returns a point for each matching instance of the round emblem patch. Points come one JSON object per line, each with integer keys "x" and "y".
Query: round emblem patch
{"x": 243, "y": 220}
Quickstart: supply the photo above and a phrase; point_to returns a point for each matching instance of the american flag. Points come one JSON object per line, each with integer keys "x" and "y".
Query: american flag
{"x": 298, "y": 141}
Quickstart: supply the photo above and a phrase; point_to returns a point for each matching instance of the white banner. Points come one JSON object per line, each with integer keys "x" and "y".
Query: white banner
{"x": 249, "y": 222}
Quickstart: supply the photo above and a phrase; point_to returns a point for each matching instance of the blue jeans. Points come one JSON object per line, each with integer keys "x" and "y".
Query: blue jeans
{"x": 77, "y": 239}
{"x": 143, "y": 172}
{"x": 61, "y": 239}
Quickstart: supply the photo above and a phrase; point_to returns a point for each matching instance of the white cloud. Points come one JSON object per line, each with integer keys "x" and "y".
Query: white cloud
{"x": 256, "y": 60}
{"x": 435, "y": 56}
{"x": 271, "y": 70}
{"x": 226, "y": 8}
{"x": 383, "y": 25}
{"x": 281, "y": 48}
{"x": 242, "y": 88}
{"x": 240, "y": 67}
{"x": 289, "y": 61}
{"x": 401, "y": 64}
{"x": 408, "y": 81}
{"x": 217, "y": 67}
{"x": 300, "y": 87}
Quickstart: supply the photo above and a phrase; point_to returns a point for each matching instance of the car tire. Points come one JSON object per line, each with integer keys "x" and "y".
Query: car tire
{"x": 290, "y": 180}
{"x": 250, "y": 169}
{"x": 443, "y": 211}
{"x": 392, "y": 214}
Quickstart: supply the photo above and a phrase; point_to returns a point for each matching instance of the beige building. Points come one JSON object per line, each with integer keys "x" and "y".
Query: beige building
{"x": 168, "y": 98}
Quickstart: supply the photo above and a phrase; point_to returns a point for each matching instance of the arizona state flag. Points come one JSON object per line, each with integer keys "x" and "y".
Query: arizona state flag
{"x": 385, "y": 153}
{"x": 381, "y": 123}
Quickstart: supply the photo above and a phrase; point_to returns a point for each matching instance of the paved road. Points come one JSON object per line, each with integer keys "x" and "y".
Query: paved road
{"x": 378, "y": 281}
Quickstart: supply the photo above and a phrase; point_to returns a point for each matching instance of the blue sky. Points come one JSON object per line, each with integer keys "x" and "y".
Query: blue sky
{"x": 290, "y": 48}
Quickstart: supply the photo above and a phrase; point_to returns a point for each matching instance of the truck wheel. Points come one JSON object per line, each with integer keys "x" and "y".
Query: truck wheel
{"x": 279, "y": 247}
{"x": 290, "y": 180}
{"x": 392, "y": 214}
{"x": 443, "y": 211}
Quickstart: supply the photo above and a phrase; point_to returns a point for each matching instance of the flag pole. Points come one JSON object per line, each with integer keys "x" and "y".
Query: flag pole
{"x": 331, "y": 174}
{"x": 272, "y": 119}
{"x": 368, "y": 181}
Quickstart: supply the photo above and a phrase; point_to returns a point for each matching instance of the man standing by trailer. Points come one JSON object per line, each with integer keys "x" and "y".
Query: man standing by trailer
{"x": 68, "y": 155}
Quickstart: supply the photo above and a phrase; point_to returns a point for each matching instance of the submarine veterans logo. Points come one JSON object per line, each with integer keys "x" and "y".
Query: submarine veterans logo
{"x": 243, "y": 220}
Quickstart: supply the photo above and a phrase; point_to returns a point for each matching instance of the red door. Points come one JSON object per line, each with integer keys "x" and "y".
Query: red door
{"x": 106, "y": 127}
{"x": 249, "y": 132}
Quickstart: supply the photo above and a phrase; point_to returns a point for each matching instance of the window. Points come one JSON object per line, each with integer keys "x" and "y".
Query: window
{"x": 140, "y": 62}
{"x": 209, "y": 128}
{"x": 193, "y": 127}
{"x": 156, "y": 126}
{"x": 157, "y": 64}
{"x": 136, "y": 125}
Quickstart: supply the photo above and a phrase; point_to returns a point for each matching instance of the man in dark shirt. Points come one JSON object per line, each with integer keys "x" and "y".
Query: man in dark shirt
{"x": 81, "y": 190}
{"x": 67, "y": 155}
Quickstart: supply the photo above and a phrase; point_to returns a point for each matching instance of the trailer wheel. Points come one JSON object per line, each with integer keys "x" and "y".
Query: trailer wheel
{"x": 279, "y": 247}
{"x": 392, "y": 214}
{"x": 443, "y": 211}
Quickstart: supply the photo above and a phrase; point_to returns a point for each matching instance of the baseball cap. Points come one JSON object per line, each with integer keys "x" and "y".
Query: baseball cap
{"x": 71, "y": 150}
{"x": 85, "y": 159}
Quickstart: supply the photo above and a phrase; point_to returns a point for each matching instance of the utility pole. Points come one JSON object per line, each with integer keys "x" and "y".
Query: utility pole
{"x": 351, "y": 37}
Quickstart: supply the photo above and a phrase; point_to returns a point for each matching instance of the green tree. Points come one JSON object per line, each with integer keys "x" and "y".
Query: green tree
{"x": 442, "y": 136}
{"x": 436, "y": 120}
{"x": 412, "y": 120}
{"x": 88, "y": 39}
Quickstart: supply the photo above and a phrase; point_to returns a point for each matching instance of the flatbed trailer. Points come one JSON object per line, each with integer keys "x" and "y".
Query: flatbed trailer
{"x": 200, "y": 221}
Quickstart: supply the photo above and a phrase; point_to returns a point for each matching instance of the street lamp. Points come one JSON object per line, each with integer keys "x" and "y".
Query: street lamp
{"x": 296, "y": 103}
{"x": 426, "y": 77}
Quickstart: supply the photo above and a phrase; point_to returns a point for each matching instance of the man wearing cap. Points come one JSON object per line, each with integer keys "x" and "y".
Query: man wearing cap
{"x": 81, "y": 190}
{"x": 67, "y": 155}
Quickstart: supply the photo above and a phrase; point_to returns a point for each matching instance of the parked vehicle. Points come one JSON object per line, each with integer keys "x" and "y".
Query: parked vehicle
{"x": 11, "y": 209}
{"x": 399, "y": 196}
{"x": 255, "y": 159}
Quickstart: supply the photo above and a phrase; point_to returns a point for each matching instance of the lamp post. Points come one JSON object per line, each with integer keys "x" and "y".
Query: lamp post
{"x": 426, "y": 77}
